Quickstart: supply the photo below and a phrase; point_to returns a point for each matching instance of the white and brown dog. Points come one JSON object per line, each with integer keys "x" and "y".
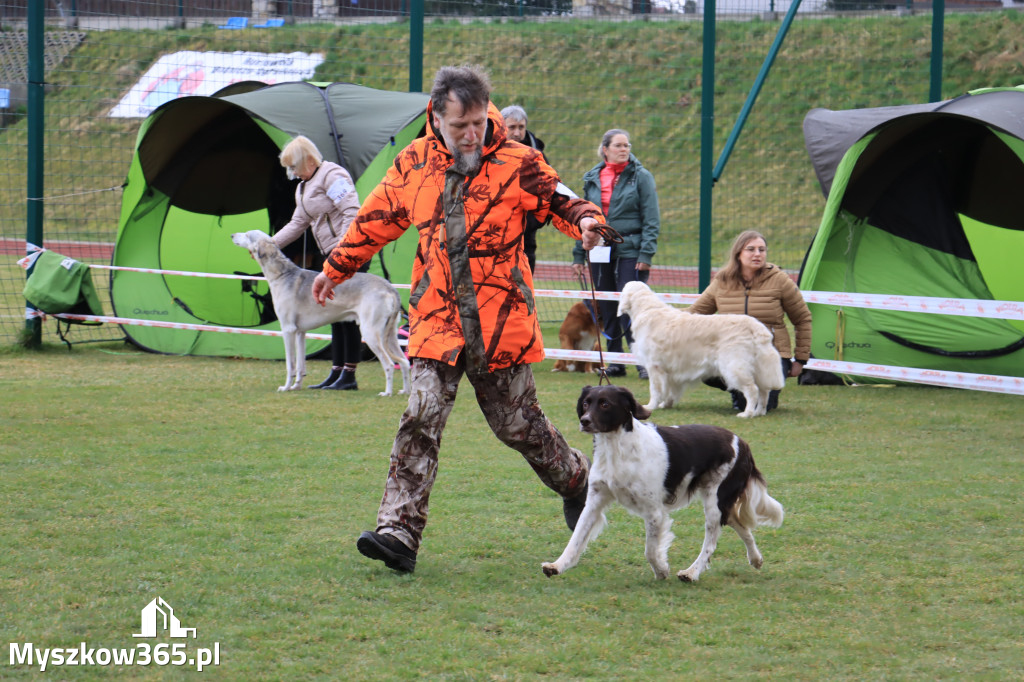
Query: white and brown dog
{"x": 579, "y": 331}
{"x": 653, "y": 470}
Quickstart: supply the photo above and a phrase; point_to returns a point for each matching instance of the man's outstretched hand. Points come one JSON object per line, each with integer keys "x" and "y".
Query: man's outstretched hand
{"x": 323, "y": 289}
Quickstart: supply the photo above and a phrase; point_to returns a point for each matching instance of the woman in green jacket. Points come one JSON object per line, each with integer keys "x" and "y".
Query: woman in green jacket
{"x": 749, "y": 285}
{"x": 625, "y": 191}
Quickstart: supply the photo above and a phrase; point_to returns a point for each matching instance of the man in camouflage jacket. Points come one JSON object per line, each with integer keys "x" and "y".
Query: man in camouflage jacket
{"x": 471, "y": 311}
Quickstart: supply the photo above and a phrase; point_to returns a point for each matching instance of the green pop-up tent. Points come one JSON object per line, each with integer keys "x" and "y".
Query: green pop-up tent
{"x": 205, "y": 167}
{"x": 922, "y": 201}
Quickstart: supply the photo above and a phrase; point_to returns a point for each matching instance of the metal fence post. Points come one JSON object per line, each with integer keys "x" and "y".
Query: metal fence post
{"x": 707, "y": 137}
{"x": 938, "y": 27}
{"x": 416, "y": 46}
{"x": 34, "y": 181}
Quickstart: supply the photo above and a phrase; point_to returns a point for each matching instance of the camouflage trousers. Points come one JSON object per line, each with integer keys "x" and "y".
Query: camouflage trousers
{"x": 508, "y": 399}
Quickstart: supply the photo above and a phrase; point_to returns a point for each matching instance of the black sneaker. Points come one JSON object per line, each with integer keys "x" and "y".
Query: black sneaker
{"x": 615, "y": 370}
{"x": 572, "y": 507}
{"x": 641, "y": 372}
{"x": 388, "y": 549}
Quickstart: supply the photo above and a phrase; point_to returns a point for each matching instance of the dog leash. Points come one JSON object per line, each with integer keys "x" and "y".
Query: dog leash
{"x": 595, "y": 316}
{"x": 610, "y": 236}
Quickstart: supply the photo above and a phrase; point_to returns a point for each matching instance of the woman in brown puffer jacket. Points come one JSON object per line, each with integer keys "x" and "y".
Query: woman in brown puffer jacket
{"x": 749, "y": 285}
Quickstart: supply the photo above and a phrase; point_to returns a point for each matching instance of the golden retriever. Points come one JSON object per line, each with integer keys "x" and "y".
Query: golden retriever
{"x": 680, "y": 349}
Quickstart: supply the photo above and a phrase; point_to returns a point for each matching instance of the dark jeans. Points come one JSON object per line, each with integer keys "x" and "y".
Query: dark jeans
{"x": 346, "y": 344}
{"x": 612, "y": 277}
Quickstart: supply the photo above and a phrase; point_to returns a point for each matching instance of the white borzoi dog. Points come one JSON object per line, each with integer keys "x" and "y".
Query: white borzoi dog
{"x": 366, "y": 299}
{"x": 653, "y": 470}
{"x": 680, "y": 349}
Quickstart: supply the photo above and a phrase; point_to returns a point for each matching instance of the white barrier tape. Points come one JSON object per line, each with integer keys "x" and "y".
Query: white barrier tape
{"x": 29, "y": 260}
{"x": 183, "y": 325}
{"x": 968, "y": 307}
{"x": 965, "y": 307}
{"x": 591, "y": 356}
{"x": 129, "y": 322}
{"x": 979, "y": 382}
{"x": 183, "y": 273}
{"x": 685, "y": 299}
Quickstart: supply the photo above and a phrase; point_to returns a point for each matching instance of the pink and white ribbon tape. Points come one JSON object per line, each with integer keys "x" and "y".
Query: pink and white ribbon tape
{"x": 1005, "y": 310}
{"x": 968, "y": 307}
{"x": 978, "y": 382}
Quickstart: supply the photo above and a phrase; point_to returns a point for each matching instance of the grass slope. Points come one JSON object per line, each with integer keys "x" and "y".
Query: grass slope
{"x": 577, "y": 78}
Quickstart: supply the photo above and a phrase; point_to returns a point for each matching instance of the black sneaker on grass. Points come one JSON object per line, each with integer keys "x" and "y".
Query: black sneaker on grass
{"x": 615, "y": 370}
{"x": 388, "y": 549}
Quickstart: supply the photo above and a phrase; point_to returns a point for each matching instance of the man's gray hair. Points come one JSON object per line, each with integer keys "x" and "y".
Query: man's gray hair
{"x": 469, "y": 85}
{"x": 514, "y": 112}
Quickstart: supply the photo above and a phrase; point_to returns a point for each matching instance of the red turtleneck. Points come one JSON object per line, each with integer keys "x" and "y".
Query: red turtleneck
{"x": 609, "y": 176}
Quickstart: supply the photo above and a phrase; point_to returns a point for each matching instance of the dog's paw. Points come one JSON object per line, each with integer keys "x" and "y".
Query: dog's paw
{"x": 757, "y": 561}
{"x": 385, "y": 394}
{"x": 282, "y": 389}
{"x": 688, "y": 576}
{"x": 550, "y": 569}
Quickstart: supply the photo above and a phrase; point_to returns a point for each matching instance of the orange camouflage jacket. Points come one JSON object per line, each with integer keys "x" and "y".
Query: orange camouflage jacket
{"x": 472, "y": 289}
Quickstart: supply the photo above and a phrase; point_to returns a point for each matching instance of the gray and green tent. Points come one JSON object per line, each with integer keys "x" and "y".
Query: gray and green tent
{"x": 206, "y": 167}
{"x": 922, "y": 201}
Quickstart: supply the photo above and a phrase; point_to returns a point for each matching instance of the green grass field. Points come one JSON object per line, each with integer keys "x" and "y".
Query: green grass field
{"x": 126, "y": 476}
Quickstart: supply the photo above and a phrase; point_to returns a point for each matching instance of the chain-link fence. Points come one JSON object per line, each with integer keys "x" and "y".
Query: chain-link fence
{"x": 578, "y": 68}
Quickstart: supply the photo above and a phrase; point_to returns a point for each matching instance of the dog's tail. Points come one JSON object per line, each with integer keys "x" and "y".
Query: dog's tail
{"x": 391, "y": 344}
{"x": 755, "y": 507}
{"x": 769, "y": 369}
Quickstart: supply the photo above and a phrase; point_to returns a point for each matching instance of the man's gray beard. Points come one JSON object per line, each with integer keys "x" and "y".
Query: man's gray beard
{"x": 466, "y": 164}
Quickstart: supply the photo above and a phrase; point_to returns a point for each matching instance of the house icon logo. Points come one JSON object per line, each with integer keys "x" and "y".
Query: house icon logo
{"x": 159, "y": 616}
